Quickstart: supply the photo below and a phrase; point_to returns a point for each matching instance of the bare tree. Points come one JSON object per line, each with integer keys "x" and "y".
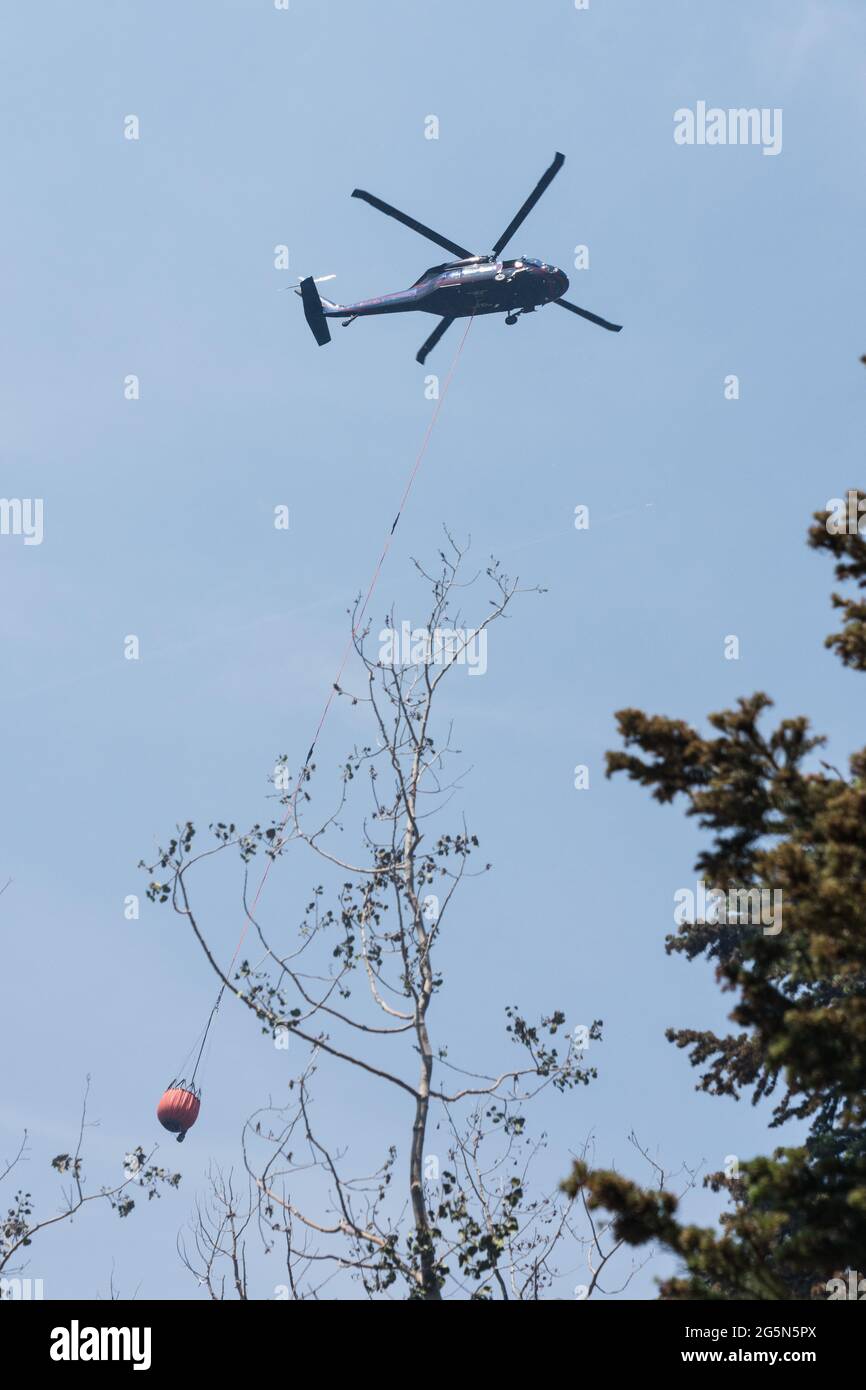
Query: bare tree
{"x": 467, "y": 1225}
{"x": 219, "y": 1237}
{"x": 19, "y": 1227}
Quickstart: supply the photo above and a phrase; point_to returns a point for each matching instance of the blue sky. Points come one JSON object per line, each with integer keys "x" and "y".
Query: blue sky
{"x": 155, "y": 257}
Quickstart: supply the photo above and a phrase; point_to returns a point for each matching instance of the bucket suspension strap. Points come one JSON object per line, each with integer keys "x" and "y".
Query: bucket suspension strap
{"x": 335, "y": 685}
{"x": 213, "y": 1014}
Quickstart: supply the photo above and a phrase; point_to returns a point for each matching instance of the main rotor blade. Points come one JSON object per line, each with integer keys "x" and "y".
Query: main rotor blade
{"x": 441, "y": 327}
{"x": 411, "y": 222}
{"x": 585, "y": 314}
{"x": 546, "y": 178}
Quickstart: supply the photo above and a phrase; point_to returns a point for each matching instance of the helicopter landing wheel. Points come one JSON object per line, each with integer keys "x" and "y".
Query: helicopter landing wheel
{"x": 510, "y": 319}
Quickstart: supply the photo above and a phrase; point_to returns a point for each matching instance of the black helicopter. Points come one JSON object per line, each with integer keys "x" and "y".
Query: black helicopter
{"x": 474, "y": 284}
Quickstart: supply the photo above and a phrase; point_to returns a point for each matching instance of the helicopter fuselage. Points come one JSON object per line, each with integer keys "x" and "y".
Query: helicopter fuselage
{"x": 460, "y": 288}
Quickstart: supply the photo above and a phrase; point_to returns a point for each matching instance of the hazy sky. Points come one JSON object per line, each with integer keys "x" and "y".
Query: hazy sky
{"x": 155, "y": 257}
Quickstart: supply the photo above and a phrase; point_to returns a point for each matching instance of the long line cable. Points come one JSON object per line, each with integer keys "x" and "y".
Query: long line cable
{"x": 299, "y": 781}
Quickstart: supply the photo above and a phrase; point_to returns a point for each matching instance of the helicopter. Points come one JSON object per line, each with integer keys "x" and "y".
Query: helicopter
{"x": 472, "y": 284}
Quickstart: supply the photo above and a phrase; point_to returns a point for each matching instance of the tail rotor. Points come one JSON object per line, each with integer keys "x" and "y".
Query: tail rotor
{"x": 317, "y": 280}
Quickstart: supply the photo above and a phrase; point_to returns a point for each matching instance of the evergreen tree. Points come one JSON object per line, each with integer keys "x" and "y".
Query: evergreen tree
{"x": 779, "y": 819}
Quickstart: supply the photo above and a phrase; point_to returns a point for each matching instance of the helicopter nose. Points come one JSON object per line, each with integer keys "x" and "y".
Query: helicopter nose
{"x": 559, "y": 282}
